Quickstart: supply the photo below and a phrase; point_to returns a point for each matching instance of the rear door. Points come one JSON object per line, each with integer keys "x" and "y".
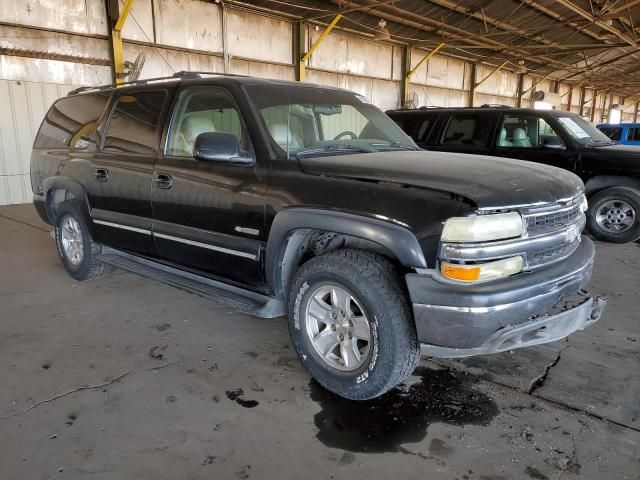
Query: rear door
{"x": 121, "y": 185}
{"x": 209, "y": 215}
{"x": 533, "y": 137}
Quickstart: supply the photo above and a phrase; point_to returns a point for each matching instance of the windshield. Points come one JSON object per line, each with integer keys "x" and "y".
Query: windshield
{"x": 583, "y": 132}
{"x": 313, "y": 121}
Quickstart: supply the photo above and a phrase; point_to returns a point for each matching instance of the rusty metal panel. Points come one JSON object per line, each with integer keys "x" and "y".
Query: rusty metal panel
{"x": 425, "y": 96}
{"x": 164, "y": 62}
{"x": 139, "y": 24}
{"x": 53, "y": 45}
{"x": 501, "y": 83}
{"x": 438, "y": 71}
{"x": 189, "y": 24}
{"x": 25, "y": 105}
{"x": 39, "y": 70}
{"x": 264, "y": 70}
{"x": 259, "y": 37}
{"x": 352, "y": 55}
{"x": 81, "y": 16}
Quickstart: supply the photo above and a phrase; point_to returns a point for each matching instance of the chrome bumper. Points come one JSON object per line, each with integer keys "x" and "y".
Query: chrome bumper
{"x": 547, "y": 328}
{"x": 504, "y": 314}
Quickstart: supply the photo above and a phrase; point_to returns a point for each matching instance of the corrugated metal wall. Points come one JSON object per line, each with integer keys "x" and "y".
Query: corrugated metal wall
{"x": 25, "y": 104}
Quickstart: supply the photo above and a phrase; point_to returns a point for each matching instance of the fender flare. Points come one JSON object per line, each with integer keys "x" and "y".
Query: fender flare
{"x": 291, "y": 227}
{"x": 600, "y": 182}
{"x": 63, "y": 183}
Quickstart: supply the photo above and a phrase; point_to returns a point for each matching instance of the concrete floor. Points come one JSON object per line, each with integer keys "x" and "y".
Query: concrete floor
{"x": 126, "y": 378}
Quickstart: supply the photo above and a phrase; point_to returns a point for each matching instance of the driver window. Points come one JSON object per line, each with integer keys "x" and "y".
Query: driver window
{"x": 201, "y": 110}
{"x": 527, "y": 132}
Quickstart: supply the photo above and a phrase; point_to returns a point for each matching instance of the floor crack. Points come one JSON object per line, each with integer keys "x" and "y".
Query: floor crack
{"x": 60, "y": 395}
{"x": 539, "y": 381}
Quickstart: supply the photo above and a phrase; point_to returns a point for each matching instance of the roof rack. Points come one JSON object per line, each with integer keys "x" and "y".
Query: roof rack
{"x": 495, "y": 105}
{"x": 181, "y": 75}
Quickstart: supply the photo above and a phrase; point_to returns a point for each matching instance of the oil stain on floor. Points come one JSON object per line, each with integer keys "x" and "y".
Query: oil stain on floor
{"x": 402, "y": 415}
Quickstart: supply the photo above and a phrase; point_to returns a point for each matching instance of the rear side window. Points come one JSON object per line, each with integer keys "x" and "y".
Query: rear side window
{"x": 133, "y": 125}
{"x": 71, "y": 122}
{"x": 633, "y": 135}
{"x": 417, "y": 127}
{"x": 468, "y": 130}
{"x": 613, "y": 133}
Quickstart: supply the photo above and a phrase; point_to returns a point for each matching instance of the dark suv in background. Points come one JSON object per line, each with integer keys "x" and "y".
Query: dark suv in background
{"x": 610, "y": 171}
{"x": 288, "y": 198}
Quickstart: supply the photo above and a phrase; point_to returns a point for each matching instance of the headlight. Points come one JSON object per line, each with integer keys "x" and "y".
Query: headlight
{"x": 482, "y": 228}
{"x": 482, "y": 272}
{"x": 584, "y": 206}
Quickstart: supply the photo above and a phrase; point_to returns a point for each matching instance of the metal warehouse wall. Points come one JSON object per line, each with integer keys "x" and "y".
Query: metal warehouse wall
{"x": 65, "y": 42}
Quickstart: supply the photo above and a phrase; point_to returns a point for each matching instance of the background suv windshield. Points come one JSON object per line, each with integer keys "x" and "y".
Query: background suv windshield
{"x": 582, "y": 131}
{"x": 307, "y": 120}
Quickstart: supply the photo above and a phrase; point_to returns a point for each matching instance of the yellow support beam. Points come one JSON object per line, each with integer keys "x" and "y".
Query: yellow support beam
{"x": 535, "y": 84}
{"x": 572, "y": 89}
{"x": 116, "y": 41}
{"x": 305, "y": 57}
{"x": 491, "y": 74}
{"x": 424, "y": 59}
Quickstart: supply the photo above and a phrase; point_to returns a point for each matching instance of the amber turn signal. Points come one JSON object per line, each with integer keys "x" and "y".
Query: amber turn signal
{"x": 459, "y": 272}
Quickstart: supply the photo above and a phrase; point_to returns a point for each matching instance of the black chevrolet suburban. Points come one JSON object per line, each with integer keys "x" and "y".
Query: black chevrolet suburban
{"x": 610, "y": 171}
{"x": 284, "y": 198}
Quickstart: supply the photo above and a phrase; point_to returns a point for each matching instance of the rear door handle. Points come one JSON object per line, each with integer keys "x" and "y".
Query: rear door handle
{"x": 163, "y": 180}
{"x": 101, "y": 174}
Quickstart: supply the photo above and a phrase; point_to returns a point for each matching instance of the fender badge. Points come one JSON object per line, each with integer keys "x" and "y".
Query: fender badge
{"x": 249, "y": 231}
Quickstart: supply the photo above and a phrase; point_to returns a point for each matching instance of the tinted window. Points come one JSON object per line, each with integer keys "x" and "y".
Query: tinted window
{"x": 203, "y": 110}
{"x": 71, "y": 122}
{"x": 527, "y": 132}
{"x": 468, "y": 130}
{"x": 633, "y": 135}
{"x": 133, "y": 124}
{"x": 613, "y": 133}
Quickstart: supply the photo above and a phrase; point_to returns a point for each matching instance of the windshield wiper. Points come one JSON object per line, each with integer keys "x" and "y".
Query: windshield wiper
{"x": 395, "y": 145}
{"x": 333, "y": 148}
{"x": 601, "y": 143}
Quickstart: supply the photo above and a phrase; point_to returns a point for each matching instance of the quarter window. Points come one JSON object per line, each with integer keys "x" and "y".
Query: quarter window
{"x": 527, "y": 132}
{"x": 204, "y": 110}
{"x": 71, "y": 122}
{"x": 468, "y": 130}
{"x": 134, "y": 123}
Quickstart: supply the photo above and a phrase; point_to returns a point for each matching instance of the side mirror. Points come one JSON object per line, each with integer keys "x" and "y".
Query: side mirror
{"x": 551, "y": 145}
{"x": 218, "y": 147}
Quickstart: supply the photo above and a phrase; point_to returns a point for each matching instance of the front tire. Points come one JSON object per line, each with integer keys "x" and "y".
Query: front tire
{"x": 614, "y": 215}
{"x": 76, "y": 247}
{"x": 351, "y": 323}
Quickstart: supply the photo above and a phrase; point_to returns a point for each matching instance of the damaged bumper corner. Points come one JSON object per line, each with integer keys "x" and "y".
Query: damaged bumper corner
{"x": 454, "y": 320}
{"x": 544, "y": 329}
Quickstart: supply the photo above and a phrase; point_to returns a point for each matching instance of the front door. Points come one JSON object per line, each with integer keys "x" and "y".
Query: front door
{"x": 121, "y": 185}
{"x": 528, "y": 136}
{"x": 209, "y": 215}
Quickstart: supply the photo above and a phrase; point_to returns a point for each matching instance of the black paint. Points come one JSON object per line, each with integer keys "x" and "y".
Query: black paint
{"x": 401, "y": 415}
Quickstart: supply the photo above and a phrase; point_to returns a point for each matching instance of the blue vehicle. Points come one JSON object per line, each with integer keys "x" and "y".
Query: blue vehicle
{"x": 625, "y": 133}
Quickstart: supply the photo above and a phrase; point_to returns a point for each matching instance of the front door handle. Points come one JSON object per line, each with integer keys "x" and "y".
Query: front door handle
{"x": 163, "y": 180}
{"x": 101, "y": 174}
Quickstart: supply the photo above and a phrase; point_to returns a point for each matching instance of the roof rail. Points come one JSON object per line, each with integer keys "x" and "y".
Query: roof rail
{"x": 495, "y": 105}
{"x": 181, "y": 75}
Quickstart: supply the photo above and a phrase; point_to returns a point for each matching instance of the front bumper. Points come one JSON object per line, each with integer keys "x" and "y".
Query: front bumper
{"x": 459, "y": 320}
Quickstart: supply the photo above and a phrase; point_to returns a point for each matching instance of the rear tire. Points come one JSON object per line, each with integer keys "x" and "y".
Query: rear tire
{"x": 360, "y": 294}
{"x": 76, "y": 247}
{"x": 614, "y": 215}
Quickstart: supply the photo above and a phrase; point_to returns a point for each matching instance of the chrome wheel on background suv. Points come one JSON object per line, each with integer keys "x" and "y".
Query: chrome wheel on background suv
{"x": 616, "y": 216}
{"x": 71, "y": 236}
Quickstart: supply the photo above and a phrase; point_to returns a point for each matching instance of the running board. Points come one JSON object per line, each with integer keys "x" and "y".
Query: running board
{"x": 245, "y": 301}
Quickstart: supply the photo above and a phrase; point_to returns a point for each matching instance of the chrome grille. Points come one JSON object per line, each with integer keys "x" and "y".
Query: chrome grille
{"x": 552, "y": 233}
{"x": 546, "y": 222}
{"x": 549, "y": 255}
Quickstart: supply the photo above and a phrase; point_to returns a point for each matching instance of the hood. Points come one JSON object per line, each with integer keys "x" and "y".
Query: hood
{"x": 486, "y": 181}
{"x": 612, "y": 160}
